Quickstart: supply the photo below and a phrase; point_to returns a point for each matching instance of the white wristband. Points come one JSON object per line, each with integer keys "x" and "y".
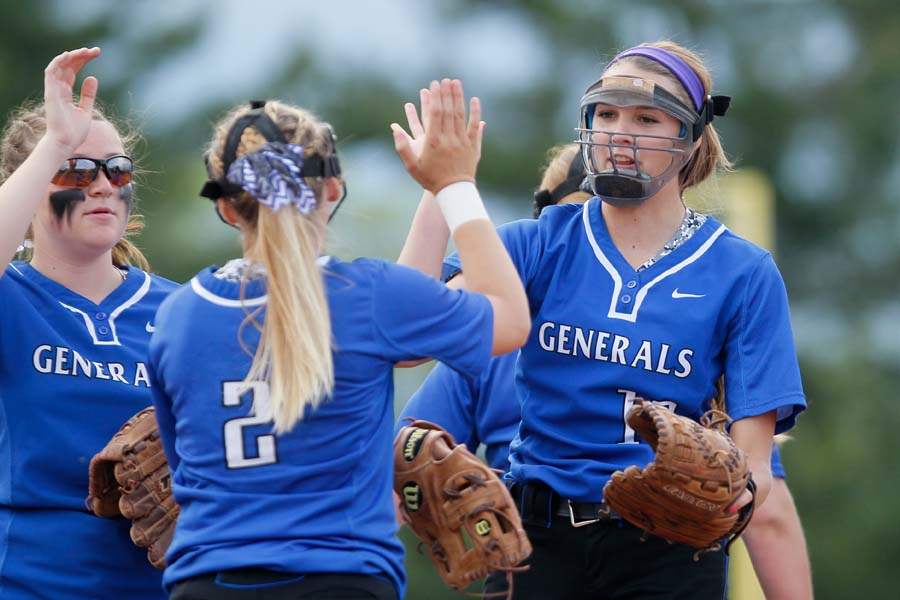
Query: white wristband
{"x": 460, "y": 203}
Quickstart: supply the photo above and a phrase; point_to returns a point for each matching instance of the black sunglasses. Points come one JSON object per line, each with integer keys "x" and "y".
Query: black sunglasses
{"x": 80, "y": 172}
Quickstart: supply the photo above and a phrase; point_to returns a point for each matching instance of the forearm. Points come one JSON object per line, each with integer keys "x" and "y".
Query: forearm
{"x": 490, "y": 271}
{"x": 426, "y": 242}
{"x": 753, "y": 435}
{"x": 777, "y": 547}
{"x": 22, "y": 193}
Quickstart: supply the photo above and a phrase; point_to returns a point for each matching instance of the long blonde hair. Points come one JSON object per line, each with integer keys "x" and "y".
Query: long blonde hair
{"x": 26, "y": 127}
{"x": 294, "y": 350}
{"x": 710, "y": 155}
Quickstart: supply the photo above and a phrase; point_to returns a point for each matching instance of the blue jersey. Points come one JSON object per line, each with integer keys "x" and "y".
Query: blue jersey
{"x": 71, "y": 373}
{"x": 483, "y": 409}
{"x": 605, "y": 335}
{"x": 319, "y": 498}
{"x": 777, "y": 466}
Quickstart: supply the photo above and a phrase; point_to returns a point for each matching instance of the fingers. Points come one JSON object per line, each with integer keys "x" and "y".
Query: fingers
{"x": 78, "y": 58}
{"x": 424, "y": 103}
{"x": 434, "y": 121}
{"x": 446, "y": 96}
{"x": 412, "y": 117}
{"x": 744, "y": 499}
{"x": 479, "y": 137}
{"x": 476, "y": 125}
{"x": 63, "y": 69}
{"x": 88, "y": 94}
{"x": 459, "y": 107}
{"x": 403, "y": 147}
{"x": 53, "y": 75}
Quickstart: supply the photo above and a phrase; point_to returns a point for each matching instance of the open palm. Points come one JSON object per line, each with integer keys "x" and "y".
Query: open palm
{"x": 67, "y": 122}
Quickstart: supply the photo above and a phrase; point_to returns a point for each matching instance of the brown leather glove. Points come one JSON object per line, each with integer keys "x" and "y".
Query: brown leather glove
{"x": 130, "y": 477}
{"x": 457, "y": 506}
{"x": 698, "y": 472}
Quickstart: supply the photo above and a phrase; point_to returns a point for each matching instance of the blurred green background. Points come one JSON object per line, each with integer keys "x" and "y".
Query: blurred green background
{"x": 815, "y": 88}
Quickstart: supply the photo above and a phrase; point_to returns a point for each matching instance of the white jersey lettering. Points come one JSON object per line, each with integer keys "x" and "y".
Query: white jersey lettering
{"x": 683, "y": 357}
{"x": 140, "y": 375}
{"x": 592, "y": 344}
{"x": 546, "y": 343}
{"x": 620, "y": 344}
{"x": 60, "y": 360}
{"x": 41, "y": 365}
{"x": 563, "y": 339}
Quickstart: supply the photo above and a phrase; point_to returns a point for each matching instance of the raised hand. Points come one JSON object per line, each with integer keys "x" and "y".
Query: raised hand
{"x": 417, "y": 140}
{"x": 448, "y": 147}
{"x": 68, "y": 123}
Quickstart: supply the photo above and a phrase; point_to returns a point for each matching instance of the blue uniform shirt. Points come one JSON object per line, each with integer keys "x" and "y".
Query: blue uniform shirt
{"x": 604, "y": 335}
{"x": 71, "y": 373}
{"x": 483, "y": 409}
{"x": 319, "y": 498}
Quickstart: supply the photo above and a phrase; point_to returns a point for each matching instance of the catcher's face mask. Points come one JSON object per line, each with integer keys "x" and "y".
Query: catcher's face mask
{"x": 628, "y": 153}
{"x": 629, "y": 159}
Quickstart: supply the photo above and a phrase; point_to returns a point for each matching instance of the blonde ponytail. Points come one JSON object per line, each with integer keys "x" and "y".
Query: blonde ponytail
{"x": 125, "y": 253}
{"x": 294, "y": 353}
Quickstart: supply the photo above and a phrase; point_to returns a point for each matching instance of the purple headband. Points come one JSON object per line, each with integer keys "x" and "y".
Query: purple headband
{"x": 673, "y": 63}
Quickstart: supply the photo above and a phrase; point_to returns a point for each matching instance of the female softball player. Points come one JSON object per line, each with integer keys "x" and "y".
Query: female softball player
{"x": 485, "y": 410}
{"x": 634, "y": 296}
{"x": 273, "y": 374}
{"x": 75, "y": 323}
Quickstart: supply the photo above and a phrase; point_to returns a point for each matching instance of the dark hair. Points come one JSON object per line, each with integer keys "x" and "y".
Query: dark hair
{"x": 562, "y": 177}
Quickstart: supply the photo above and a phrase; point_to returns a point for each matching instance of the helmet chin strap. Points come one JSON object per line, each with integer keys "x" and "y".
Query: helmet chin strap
{"x": 619, "y": 188}
{"x": 339, "y": 202}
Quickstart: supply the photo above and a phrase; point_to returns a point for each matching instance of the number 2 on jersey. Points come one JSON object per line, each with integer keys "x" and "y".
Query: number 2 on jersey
{"x": 255, "y": 394}
{"x": 630, "y": 398}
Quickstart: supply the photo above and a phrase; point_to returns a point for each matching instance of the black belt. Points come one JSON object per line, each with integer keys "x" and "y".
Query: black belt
{"x": 584, "y": 513}
{"x": 539, "y": 503}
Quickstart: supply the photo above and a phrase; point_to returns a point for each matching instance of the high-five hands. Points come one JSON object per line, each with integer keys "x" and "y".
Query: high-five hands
{"x": 447, "y": 148}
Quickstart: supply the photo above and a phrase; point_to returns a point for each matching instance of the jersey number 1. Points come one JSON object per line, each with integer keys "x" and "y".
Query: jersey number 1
{"x": 256, "y": 395}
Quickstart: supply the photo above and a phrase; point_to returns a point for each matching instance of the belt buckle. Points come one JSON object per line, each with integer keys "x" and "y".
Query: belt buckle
{"x": 579, "y": 523}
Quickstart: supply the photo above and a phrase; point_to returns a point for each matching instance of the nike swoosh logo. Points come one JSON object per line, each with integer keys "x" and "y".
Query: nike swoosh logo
{"x": 150, "y": 328}
{"x": 676, "y": 294}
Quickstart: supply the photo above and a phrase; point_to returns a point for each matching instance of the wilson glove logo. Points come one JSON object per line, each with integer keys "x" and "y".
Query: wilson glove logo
{"x": 482, "y": 527}
{"x": 414, "y": 443}
{"x": 412, "y": 496}
{"x": 686, "y": 497}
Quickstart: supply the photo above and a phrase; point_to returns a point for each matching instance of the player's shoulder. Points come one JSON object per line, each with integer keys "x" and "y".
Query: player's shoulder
{"x": 198, "y": 289}
{"x": 551, "y": 219}
{"x": 13, "y": 274}
{"x": 157, "y": 285}
{"x": 557, "y": 214}
{"x": 356, "y": 276}
{"x": 739, "y": 253}
{"x": 376, "y": 272}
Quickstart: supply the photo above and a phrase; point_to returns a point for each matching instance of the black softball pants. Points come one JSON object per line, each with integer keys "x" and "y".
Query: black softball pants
{"x": 606, "y": 560}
